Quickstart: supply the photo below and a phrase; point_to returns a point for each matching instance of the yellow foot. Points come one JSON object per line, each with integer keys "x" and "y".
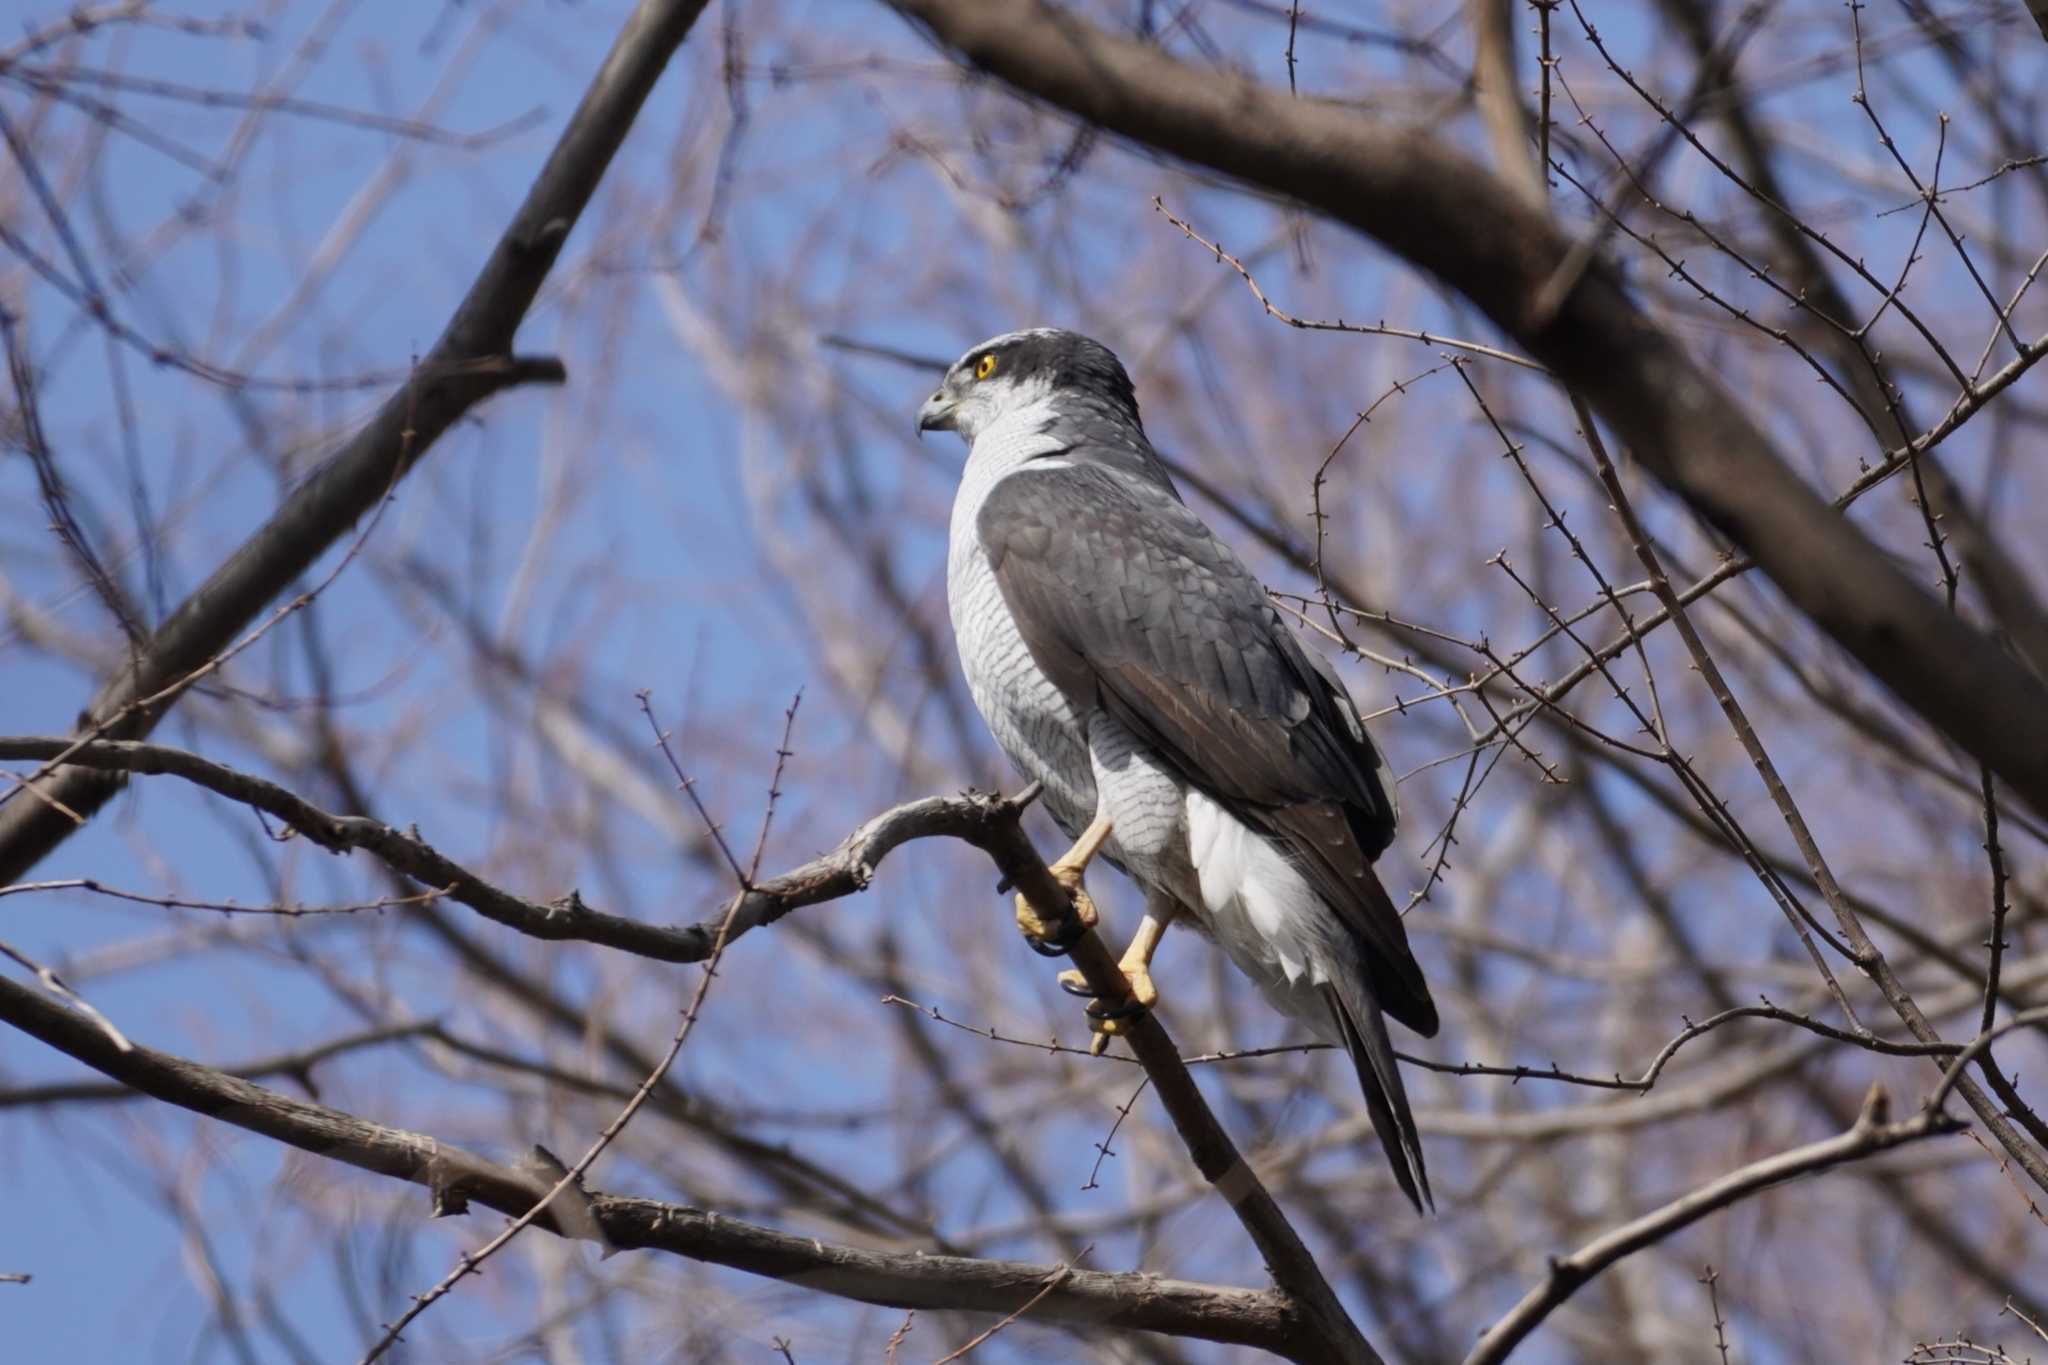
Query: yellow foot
{"x": 1115, "y": 1018}
{"x": 1034, "y": 925}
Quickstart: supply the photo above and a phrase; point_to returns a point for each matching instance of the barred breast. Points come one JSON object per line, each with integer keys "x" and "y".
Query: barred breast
{"x": 1041, "y": 731}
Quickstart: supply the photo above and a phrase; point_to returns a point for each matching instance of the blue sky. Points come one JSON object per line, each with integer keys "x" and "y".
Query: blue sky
{"x": 642, "y": 528}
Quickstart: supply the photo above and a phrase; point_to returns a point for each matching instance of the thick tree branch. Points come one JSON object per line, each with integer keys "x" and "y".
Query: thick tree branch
{"x": 565, "y": 920}
{"x": 456, "y": 1177}
{"x": 973, "y": 817}
{"x": 1444, "y": 213}
{"x": 2000, "y": 580}
{"x": 471, "y": 360}
{"x": 1328, "y": 1333}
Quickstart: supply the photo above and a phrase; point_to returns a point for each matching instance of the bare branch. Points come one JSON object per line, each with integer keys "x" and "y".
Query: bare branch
{"x": 1872, "y": 1133}
{"x": 457, "y": 1177}
{"x": 467, "y": 364}
{"x": 988, "y": 824}
{"x": 469, "y": 1263}
{"x": 1863, "y": 951}
{"x": 568, "y": 919}
{"x": 973, "y": 817}
{"x": 1280, "y": 314}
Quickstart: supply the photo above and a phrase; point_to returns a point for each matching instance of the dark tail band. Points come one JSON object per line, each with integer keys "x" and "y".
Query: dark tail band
{"x": 1364, "y": 1031}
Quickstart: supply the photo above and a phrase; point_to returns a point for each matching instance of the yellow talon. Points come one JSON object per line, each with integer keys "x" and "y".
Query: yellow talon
{"x": 1068, "y": 872}
{"x": 1034, "y": 925}
{"x": 1139, "y": 991}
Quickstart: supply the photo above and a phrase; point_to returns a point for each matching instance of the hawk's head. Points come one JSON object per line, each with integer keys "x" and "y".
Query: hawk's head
{"x": 1019, "y": 369}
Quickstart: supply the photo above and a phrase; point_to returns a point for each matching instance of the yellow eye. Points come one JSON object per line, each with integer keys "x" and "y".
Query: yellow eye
{"x": 986, "y": 366}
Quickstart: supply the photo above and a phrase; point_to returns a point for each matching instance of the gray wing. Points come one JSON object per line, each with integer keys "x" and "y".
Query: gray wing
{"x": 1126, "y": 599}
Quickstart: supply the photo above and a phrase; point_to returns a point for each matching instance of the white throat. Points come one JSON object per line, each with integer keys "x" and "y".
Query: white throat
{"x": 1015, "y": 438}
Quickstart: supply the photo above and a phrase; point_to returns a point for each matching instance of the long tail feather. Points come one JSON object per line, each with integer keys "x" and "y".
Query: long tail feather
{"x": 1364, "y": 1030}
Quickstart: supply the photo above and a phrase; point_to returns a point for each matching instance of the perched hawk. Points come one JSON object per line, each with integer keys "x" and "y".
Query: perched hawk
{"x": 1127, "y": 659}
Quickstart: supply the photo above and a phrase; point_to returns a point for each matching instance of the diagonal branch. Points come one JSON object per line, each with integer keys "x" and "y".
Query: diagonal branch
{"x": 1870, "y": 1134}
{"x": 1863, "y": 950}
{"x": 2000, "y": 580}
{"x": 1327, "y": 1330}
{"x": 471, "y": 360}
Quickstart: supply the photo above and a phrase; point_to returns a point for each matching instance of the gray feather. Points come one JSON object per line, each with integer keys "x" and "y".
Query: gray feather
{"x": 1364, "y": 1033}
{"x": 1221, "y": 689}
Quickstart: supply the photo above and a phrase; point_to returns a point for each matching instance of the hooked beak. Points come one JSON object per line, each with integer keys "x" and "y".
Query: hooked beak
{"x": 936, "y": 414}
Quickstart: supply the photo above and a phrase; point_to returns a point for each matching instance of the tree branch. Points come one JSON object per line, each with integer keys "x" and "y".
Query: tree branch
{"x": 457, "y": 1178}
{"x": 568, "y": 919}
{"x": 1328, "y": 1334}
{"x": 472, "y": 360}
{"x": 1863, "y": 950}
{"x": 2000, "y": 580}
{"x": 972, "y": 817}
{"x": 1872, "y": 1133}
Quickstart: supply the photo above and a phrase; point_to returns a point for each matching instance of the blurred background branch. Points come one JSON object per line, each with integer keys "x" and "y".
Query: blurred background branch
{"x": 1788, "y": 252}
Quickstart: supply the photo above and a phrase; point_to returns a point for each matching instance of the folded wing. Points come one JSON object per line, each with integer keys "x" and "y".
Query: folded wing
{"x": 1124, "y": 596}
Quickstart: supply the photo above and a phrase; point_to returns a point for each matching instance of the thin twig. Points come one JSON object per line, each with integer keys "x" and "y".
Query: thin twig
{"x": 783, "y": 754}
{"x": 1310, "y": 325}
{"x": 1712, "y": 1282}
{"x": 897, "y": 1338}
{"x": 688, "y": 786}
{"x": 1103, "y": 1152}
{"x": 1864, "y": 952}
{"x": 222, "y": 907}
{"x": 470, "y": 1262}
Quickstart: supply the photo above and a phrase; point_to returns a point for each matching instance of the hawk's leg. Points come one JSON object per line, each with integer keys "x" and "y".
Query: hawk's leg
{"x": 1068, "y": 872}
{"x": 1109, "y": 1021}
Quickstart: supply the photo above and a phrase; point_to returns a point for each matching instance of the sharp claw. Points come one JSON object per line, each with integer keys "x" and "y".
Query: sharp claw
{"x": 1109, "y": 1020}
{"x": 1140, "y": 996}
{"x": 1042, "y": 937}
